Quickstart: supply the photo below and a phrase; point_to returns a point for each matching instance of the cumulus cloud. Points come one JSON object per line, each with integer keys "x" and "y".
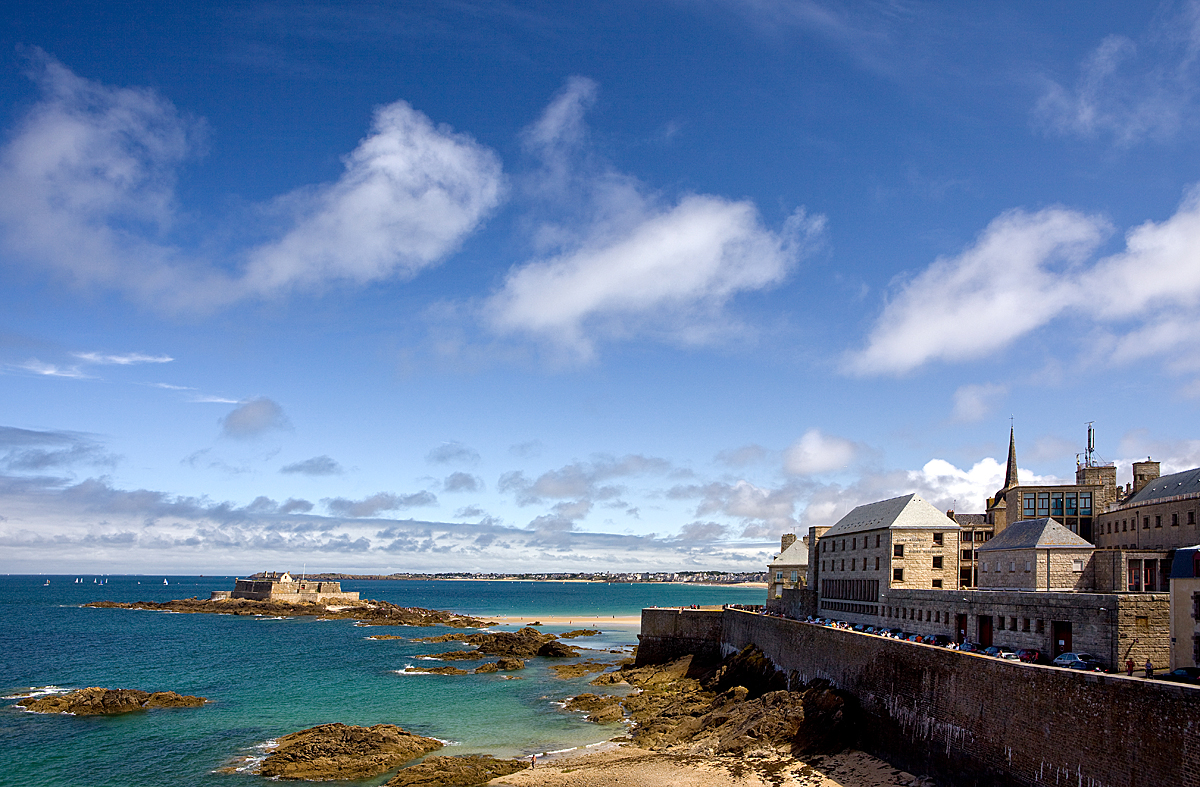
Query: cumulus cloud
{"x": 295, "y": 506}
{"x": 452, "y": 452}
{"x": 581, "y": 479}
{"x": 462, "y": 482}
{"x": 760, "y": 510}
{"x": 562, "y": 517}
{"x": 87, "y": 188}
{"x": 1028, "y": 269}
{"x": 627, "y": 262}
{"x": 253, "y": 418}
{"x": 816, "y": 452}
{"x": 378, "y": 503}
{"x": 974, "y": 402}
{"x": 702, "y": 531}
{"x": 318, "y": 465}
{"x": 1131, "y": 90}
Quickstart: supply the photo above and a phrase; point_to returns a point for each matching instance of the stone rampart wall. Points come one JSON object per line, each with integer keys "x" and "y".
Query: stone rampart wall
{"x": 974, "y": 721}
{"x": 670, "y": 633}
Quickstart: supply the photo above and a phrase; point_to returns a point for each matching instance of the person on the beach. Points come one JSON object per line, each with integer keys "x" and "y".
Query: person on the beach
{"x": 533, "y": 761}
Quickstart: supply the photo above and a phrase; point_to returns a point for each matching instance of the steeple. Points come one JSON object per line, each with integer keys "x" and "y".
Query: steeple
{"x": 1010, "y": 475}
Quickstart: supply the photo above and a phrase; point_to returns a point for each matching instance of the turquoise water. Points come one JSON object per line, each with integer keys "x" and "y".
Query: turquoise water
{"x": 269, "y": 677}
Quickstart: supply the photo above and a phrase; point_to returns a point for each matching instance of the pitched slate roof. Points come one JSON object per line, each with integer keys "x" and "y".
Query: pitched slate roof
{"x": 900, "y": 513}
{"x": 1185, "y": 483}
{"x": 794, "y": 555}
{"x": 1035, "y": 534}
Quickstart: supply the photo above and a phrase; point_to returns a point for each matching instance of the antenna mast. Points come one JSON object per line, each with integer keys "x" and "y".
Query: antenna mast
{"x": 1089, "y": 456}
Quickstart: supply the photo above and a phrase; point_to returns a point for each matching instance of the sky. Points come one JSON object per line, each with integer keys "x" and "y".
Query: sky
{"x": 577, "y": 286}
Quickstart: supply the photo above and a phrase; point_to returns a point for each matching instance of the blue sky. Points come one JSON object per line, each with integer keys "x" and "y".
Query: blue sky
{"x": 576, "y": 286}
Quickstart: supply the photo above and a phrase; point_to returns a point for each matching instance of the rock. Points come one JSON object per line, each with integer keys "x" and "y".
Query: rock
{"x": 344, "y": 752}
{"x": 579, "y": 633}
{"x": 465, "y": 771}
{"x": 490, "y": 666}
{"x": 96, "y": 701}
{"x": 579, "y": 668}
{"x": 522, "y": 644}
{"x": 437, "y": 670}
{"x": 509, "y": 663}
{"x": 457, "y": 637}
{"x": 601, "y": 708}
{"x": 389, "y": 636}
{"x": 454, "y": 655}
{"x": 556, "y": 650}
{"x": 366, "y": 611}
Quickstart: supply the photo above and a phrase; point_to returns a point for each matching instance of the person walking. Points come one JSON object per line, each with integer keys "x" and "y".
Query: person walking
{"x": 1129, "y": 667}
{"x": 1149, "y": 669}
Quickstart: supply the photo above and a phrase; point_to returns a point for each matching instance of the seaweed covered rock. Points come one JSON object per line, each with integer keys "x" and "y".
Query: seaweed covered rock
{"x": 600, "y": 708}
{"x": 579, "y": 668}
{"x": 344, "y": 752}
{"x": 96, "y": 701}
{"x": 464, "y": 771}
{"x": 579, "y": 633}
{"x": 367, "y": 612}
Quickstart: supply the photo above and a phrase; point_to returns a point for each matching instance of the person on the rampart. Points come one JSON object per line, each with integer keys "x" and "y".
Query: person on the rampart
{"x": 1149, "y": 669}
{"x": 1129, "y": 667}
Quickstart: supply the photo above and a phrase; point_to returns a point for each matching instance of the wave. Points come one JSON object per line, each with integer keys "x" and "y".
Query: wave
{"x": 36, "y": 691}
{"x": 249, "y": 763}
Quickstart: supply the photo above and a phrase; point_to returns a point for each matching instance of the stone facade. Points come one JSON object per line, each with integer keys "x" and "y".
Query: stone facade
{"x": 789, "y": 569}
{"x": 1037, "y": 569}
{"x": 1165, "y": 523}
{"x": 282, "y": 587}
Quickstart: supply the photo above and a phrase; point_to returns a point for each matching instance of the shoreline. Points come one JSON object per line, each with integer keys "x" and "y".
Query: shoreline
{"x": 583, "y": 621}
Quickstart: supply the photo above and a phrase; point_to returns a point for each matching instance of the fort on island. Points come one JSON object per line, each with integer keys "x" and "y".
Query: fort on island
{"x": 276, "y": 586}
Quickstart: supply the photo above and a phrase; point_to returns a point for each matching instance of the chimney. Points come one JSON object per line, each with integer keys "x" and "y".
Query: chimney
{"x": 786, "y": 541}
{"x": 950, "y": 514}
{"x": 1144, "y": 473}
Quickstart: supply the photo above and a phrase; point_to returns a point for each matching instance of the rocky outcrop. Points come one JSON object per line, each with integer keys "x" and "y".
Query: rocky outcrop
{"x": 490, "y": 666}
{"x": 436, "y": 670}
{"x": 600, "y": 708}
{"x": 344, "y": 752}
{"x": 524, "y": 643}
{"x": 368, "y": 612}
{"x": 557, "y": 650}
{"x": 744, "y": 704}
{"x": 464, "y": 771}
{"x": 109, "y": 702}
{"x": 509, "y": 664}
{"x": 579, "y": 633}
{"x": 579, "y": 668}
{"x": 386, "y": 636}
{"x": 454, "y": 655}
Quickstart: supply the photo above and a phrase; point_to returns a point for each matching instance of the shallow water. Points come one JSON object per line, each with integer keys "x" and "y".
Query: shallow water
{"x": 267, "y": 677}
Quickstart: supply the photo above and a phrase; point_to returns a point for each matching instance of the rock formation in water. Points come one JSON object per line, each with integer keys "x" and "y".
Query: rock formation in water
{"x": 344, "y": 752}
{"x": 368, "y": 612}
{"x": 579, "y": 668}
{"x": 466, "y": 771}
{"x": 579, "y": 633}
{"x": 107, "y": 702}
{"x": 600, "y": 708}
{"x": 525, "y": 643}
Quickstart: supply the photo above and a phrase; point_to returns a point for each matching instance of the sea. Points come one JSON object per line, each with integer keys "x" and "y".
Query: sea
{"x": 268, "y": 676}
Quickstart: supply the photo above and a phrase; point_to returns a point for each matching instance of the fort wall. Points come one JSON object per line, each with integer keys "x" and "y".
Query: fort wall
{"x": 964, "y": 719}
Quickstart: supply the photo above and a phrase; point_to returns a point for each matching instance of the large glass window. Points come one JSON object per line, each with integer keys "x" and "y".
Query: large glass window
{"x": 1056, "y": 504}
{"x": 1029, "y": 504}
{"x": 1085, "y": 503}
{"x": 1071, "y": 503}
{"x": 1043, "y": 504}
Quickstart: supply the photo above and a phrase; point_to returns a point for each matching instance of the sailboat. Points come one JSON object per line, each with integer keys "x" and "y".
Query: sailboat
{"x": 165, "y": 582}
{"x": 47, "y": 584}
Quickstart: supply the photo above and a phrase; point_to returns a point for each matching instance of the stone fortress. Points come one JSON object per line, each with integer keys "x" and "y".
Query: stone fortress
{"x": 276, "y": 586}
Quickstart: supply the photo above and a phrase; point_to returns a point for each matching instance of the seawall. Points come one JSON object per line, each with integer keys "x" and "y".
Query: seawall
{"x": 967, "y": 720}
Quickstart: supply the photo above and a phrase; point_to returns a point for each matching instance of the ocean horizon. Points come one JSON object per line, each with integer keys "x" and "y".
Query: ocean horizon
{"x": 269, "y": 676}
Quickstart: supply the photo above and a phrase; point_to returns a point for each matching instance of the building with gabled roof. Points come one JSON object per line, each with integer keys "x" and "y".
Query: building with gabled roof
{"x": 1036, "y": 554}
{"x": 789, "y": 569}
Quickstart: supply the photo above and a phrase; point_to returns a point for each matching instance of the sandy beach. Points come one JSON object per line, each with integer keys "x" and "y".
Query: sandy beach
{"x": 629, "y": 766}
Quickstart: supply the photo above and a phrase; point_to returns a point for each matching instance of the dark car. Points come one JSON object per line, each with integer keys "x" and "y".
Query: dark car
{"x": 1032, "y": 656}
{"x": 1080, "y": 661}
{"x": 1183, "y": 675}
{"x": 1000, "y": 652}
{"x": 970, "y": 647}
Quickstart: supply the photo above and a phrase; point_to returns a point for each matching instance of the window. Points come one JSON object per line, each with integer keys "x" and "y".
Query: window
{"x": 1158, "y": 521}
{"x": 898, "y": 550}
{"x": 1174, "y": 520}
{"x": 1012, "y": 566}
{"x": 1028, "y": 566}
{"x": 843, "y": 567}
{"x": 937, "y": 538}
{"x": 877, "y": 542}
{"x": 1025, "y": 624}
{"x": 984, "y": 566}
{"x": 1041, "y": 627}
{"x": 937, "y": 583}
{"x": 1145, "y": 523}
{"x": 1196, "y": 606}
{"x": 1012, "y": 624}
{"x": 897, "y": 575}
{"x": 1000, "y": 623}
{"x": 1072, "y": 504}
{"x": 1191, "y": 517}
{"x": 1122, "y": 525}
{"x": 1056, "y": 503}
{"x": 1029, "y": 504}
{"x": 937, "y": 562}
{"x": 1085, "y": 503}
{"x": 778, "y": 575}
{"x": 1043, "y": 504}
{"x": 980, "y": 535}
{"x": 1077, "y": 565}
{"x": 853, "y": 560}
{"x": 843, "y": 545}
{"x": 795, "y": 576}
{"x": 854, "y": 543}
{"x": 966, "y": 554}
{"x": 822, "y": 565}
{"x": 876, "y": 564}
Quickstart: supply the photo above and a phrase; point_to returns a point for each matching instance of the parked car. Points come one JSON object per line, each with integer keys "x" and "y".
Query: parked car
{"x": 1183, "y": 675}
{"x": 1080, "y": 661}
{"x": 969, "y": 647}
{"x": 1032, "y": 656}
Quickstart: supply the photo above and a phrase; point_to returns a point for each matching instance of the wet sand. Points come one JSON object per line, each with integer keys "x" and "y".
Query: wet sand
{"x": 628, "y": 766}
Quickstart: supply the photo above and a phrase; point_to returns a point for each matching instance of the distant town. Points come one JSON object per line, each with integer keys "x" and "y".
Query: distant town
{"x": 696, "y": 577}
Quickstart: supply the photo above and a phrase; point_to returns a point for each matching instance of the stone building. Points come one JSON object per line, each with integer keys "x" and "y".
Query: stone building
{"x": 276, "y": 586}
{"x": 789, "y": 569}
{"x": 1160, "y": 513}
{"x": 903, "y": 542}
{"x": 1185, "y": 608}
{"x": 1037, "y": 554}
{"x": 975, "y": 530}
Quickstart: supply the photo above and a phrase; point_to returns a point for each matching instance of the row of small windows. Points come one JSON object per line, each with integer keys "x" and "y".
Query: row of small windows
{"x": 1076, "y": 566}
{"x": 832, "y": 545}
{"x": 937, "y": 616}
{"x": 840, "y": 565}
{"x": 1131, "y": 524}
{"x": 779, "y": 576}
{"x": 1036, "y": 504}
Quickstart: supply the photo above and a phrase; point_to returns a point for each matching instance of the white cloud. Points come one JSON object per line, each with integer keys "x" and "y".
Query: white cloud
{"x": 51, "y": 370}
{"x": 816, "y": 453}
{"x": 128, "y": 359}
{"x": 253, "y": 418}
{"x": 624, "y": 262}
{"x": 1131, "y": 90}
{"x": 378, "y": 503}
{"x": 87, "y": 188}
{"x": 974, "y": 402}
{"x": 1027, "y": 269}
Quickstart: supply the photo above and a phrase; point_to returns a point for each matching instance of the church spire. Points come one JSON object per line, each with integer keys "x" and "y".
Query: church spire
{"x": 1010, "y": 475}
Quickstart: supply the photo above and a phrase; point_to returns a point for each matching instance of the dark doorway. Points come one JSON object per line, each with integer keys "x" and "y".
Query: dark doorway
{"x": 960, "y": 628}
{"x": 985, "y": 631}
{"x": 1061, "y": 632}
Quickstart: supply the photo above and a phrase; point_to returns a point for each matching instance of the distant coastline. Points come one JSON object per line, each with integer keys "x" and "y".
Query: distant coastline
{"x": 700, "y": 578}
